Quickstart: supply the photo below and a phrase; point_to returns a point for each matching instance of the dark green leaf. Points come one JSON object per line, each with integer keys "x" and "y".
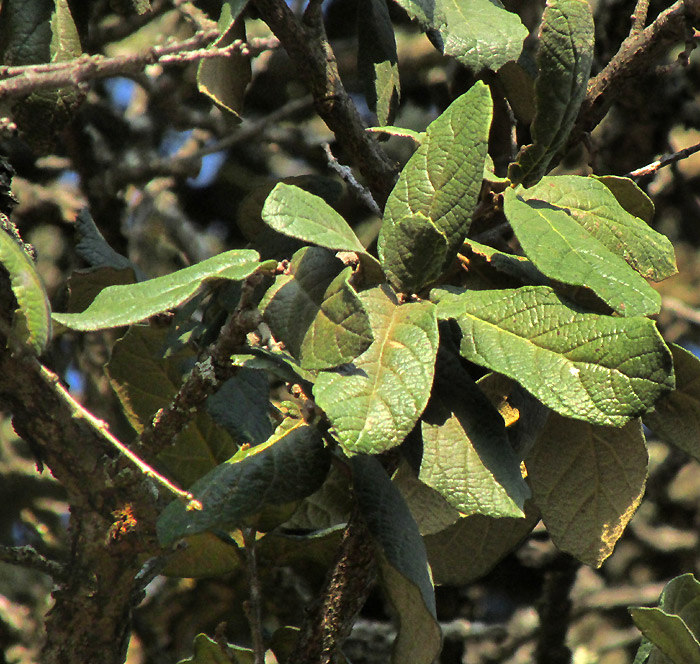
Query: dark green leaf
{"x": 473, "y": 546}
{"x": 328, "y": 507}
{"x": 206, "y": 555}
{"x": 224, "y": 80}
{"x": 668, "y": 633}
{"x": 414, "y": 252}
{"x": 377, "y": 63}
{"x": 374, "y": 403}
{"x": 674, "y": 627}
{"x": 601, "y": 369}
{"x": 316, "y": 312}
{"x": 25, "y": 31}
{"x": 277, "y": 363}
{"x": 242, "y": 405}
{"x": 588, "y": 488}
{"x": 402, "y": 562}
{"x": 123, "y": 305}
{"x": 564, "y": 250}
{"x": 676, "y": 415}
{"x": 289, "y": 466}
{"x": 440, "y": 191}
{"x": 564, "y": 58}
{"x": 201, "y": 445}
{"x": 93, "y": 248}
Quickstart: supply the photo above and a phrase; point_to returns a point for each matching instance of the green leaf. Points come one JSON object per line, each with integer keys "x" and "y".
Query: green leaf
{"x": 473, "y": 546}
{"x": 416, "y": 136}
{"x": 374, "y": 403}
{"x": 269, "y": 242}
{"x": 588, "y": 488}
{"x": 31, "y": 325}
{"x": 224, "y": 80}
{"x": 601, "y": 369}
{"x": 466, "y": 454}
{"x": 123, "y": 305}
{"x": 241, "y": 406}
{"x": 676, "y": 415}
{"x": 681, "y": 597}
{"x": 302, "y": 215}
{"x": 377, "y": 62}
{"x": 629, "y": 195}
{"x": 85, "y": 285}
{"x": 438, "y": 190}
{"x": 668, "y": 633}
{"x": 643, "y": 652}
{"x": 673, "y": 628}
{"x": 594, "y": 206}
{"x": 403, "y": 563}
{"x": 201, "y": 445}
{"x": 518, "y": 267}
{"x": 289, "y": 466}
{"x": 208, "y": 651}
{"x": 316, "y": 312}
{"x": 479, "y": 33}
{"x": 563, "y": 250}
{"x": 65, "y": 42}
{"x": 564, "y": 58}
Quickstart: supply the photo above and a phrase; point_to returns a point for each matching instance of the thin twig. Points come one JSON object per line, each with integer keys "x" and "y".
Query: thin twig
{"x": 183, "y": 163}
{"x": 639, "y": 16}
{"x": 28, "y": 556}
{"x": 78, "y": 411}
{"x": 681, "y": 309}
{"x": 345, "y": 172}
{"x": 194, "y": 15}
{"x": 650, "y": 169}
{"x": 253, "y": 607}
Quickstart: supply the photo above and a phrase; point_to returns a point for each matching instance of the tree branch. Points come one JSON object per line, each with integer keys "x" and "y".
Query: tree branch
{"x": 22, "y": 81}
{"x": 554, "y": 609}
{"x": 205, "y": 378}
{"x": 315, "y": 61}
{"x": 666, "y": 160}
{"x": 348, "y": 585}
{"x": 636, "y": 55}
{"x": 28, "y": 556}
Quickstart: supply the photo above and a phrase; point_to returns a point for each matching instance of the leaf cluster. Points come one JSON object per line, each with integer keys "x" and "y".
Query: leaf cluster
{"x": 453, "y": 392}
